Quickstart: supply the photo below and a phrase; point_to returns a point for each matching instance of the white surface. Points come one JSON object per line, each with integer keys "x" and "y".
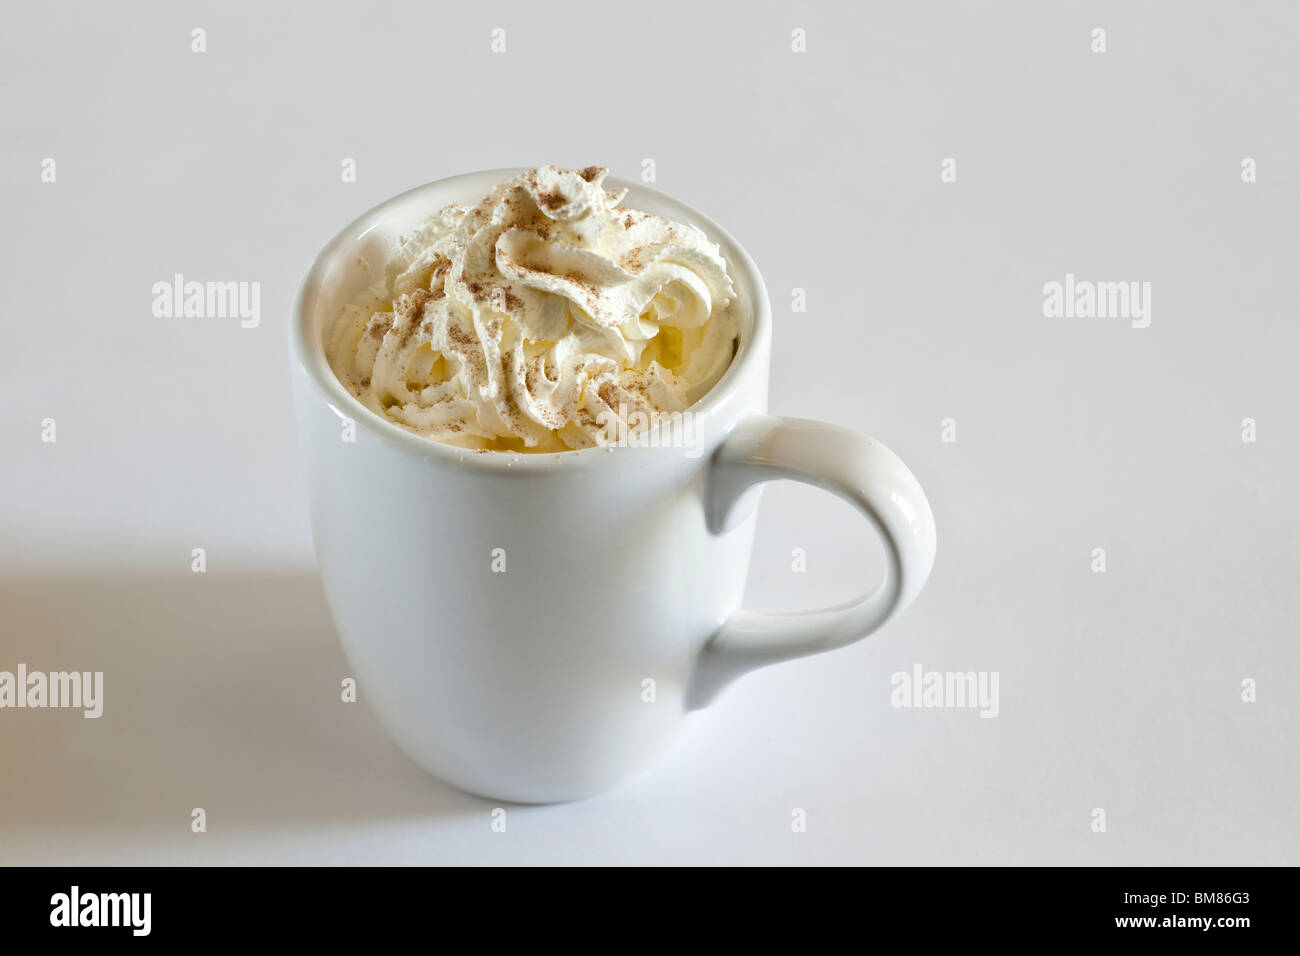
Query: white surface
{"x": 1118, "y": 690}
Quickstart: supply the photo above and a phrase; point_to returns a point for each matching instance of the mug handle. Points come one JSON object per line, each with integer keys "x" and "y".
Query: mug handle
{"x": 861, "y": 471}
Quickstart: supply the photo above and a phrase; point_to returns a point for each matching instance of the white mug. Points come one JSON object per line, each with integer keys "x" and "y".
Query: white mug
{"x": 537, "y": 627}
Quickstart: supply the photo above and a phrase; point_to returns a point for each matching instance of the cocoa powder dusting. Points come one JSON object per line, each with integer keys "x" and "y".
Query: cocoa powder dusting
{"x": 438, "y": 278}
{"x": 551, "y": 201}
{"x": 379, "y": 325}
{"x": 411, "y": 309}
{"x": 459, "y": 337}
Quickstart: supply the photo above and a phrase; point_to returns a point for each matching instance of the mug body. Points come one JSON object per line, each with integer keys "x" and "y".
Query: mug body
{"x": 524, "y": 626}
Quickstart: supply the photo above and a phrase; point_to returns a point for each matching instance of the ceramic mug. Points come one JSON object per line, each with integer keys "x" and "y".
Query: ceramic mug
{"x": 536, "y": 628}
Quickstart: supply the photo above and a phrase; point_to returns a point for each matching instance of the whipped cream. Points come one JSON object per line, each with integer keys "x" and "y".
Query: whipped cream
{"x": 544, "y": 318}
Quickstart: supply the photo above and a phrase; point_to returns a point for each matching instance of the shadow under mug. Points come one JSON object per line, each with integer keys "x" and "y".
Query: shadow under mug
{"x": 537, "y": 627}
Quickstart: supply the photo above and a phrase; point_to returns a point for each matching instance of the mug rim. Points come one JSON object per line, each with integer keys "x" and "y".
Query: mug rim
{"x": 308, "y": 350}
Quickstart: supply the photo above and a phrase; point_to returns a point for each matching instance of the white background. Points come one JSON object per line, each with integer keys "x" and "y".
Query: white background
{"x": 1119, "y": 691}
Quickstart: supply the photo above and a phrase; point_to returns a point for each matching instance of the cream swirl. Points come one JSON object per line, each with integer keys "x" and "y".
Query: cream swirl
{"x": 540, "y": 319}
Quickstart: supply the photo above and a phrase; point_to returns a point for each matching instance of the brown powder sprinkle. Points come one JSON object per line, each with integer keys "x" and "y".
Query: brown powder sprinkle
{"x": 410, "y": 305}
{"x": 589, "y": 173}
{"x": 552, "y": 200}
{"x": 533, "y": 371}
{"x": 513, "y": 415}
{"x": 438, "y": 277}
{"x": 411, "y": 309}
{"x": 581, "y": 281}
{"x": 591, "y": 293}
{"x": 459, "y": 337}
